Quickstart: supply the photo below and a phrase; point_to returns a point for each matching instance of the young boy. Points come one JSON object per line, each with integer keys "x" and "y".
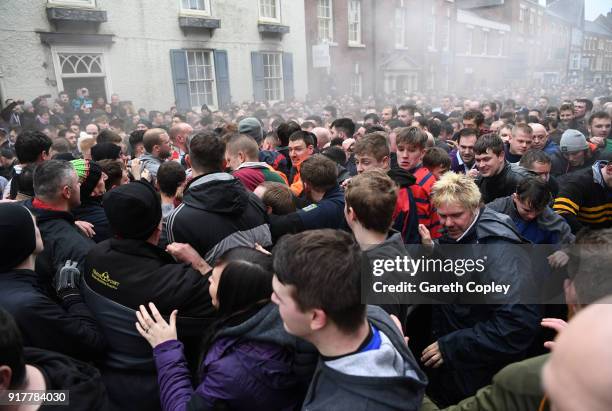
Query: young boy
{"x": 372, "y": 152}
{"x": 370, "y": 201}
{"x": 437, "y": 161}
{"x": 411, "y": 145}
{"x": 365, "y": 363}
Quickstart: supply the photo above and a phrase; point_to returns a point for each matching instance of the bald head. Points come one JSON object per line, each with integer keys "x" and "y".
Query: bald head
{"x": 323, "y": 136}
{"x": 179, "y": 133}
{"x": 578, "y": 375}
{"x": 540, "y": 136}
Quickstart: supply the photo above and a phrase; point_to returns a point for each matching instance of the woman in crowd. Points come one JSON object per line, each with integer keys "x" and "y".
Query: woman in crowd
{"x": 246, "y": 361}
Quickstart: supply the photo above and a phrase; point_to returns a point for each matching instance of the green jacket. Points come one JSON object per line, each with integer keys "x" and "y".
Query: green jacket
{"x": 516, "y": 387}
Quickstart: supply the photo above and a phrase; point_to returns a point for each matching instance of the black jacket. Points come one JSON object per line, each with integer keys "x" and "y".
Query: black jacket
{"x": 499, "y": 185}
{"x": 122, "y": 274}
{"x": 477, "y": 340}
{"x": 81, "y": 380}
{"x": 67, "y": 327}
{"x": 62, "y": 240}
{"x": 91, "y": 211}
{"x": 585, "y": 200}
{"x": 218, "y": 214}
{"x": 560, "y": 165}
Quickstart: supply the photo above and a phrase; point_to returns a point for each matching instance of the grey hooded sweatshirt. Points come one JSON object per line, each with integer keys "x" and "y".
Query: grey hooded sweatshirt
{"x": 388, "y": 378}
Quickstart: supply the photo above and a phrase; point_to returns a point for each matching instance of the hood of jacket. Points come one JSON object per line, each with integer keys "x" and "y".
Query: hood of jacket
{"x": 218, "y": 193}
{"x": 401, "y": 177}
{"x": 597, "y": 173}
{"x": 491, "y": 225}
{"x": 265, "y": 326}
{"x": 87, "y": 391}
{"x": 388, "y": 378}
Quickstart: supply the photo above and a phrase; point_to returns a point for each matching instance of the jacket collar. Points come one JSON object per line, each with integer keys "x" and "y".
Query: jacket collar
{"x": 207, "y": 178}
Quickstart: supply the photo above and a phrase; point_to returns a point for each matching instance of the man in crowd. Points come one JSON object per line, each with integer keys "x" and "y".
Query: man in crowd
{"x": 405, "y": 114}
{"x": 495, "y": 176}
{"x": 34, "y": 370}
{"x": 31, "y": 147}
{"x": 585, "y": 197}
{"x": 356, "y": 345}
{"x": 370, "y": 202}
{"x": 321, "y": 189}
{"x": 541, "y": 140}
{"x": 179, "y": 134}
{"x": 242, "y": 157}
{"x": 462, "y": 158}
{"x": 372, "y": 152}
{"x": 475, "y": 120}
{"x": 411, "y": 145}
{"x": 156, "y": 143}
{"x": 57, "y": 191}
{"x": 301, "y": 146}
{"x": 129, "y": 270}
{"x": 574, "y": 153}
{"x": 218, "y": 201}
{"x": 520, "y": 141}
{"x": 60, "y": 322}
{"x": 473, "y": 342}
{"x": 600, "y": 124}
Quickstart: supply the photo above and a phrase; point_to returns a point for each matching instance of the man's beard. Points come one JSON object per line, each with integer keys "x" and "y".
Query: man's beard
{"x": 164, "y": 155}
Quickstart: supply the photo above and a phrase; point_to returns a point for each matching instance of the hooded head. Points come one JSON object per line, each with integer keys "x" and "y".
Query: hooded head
{"x": 133, "y": 210}
{"x": 91, "y": 178}
{"x": 251, "y": 127}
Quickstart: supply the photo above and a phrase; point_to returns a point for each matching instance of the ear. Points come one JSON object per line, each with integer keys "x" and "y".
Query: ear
{"x": 224, "y": 164}
{"x": 310, "y": 149}
{"x": 318, "y": 319}
{"x": 5, "y": 377}
{"x": 188, "y": 160}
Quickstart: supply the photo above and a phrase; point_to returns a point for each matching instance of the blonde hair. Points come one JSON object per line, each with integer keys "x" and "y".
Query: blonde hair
{"x": 456, "y": 188}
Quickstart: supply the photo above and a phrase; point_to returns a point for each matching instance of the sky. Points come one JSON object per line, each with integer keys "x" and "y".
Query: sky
{"x": 593, "y": 8}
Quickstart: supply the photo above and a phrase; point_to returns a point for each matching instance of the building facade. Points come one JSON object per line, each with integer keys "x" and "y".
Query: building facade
{"x": 157, "y": 54}
{"x": 597, "y": 52}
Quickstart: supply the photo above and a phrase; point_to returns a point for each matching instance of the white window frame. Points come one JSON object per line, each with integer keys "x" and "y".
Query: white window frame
{"x": 276, "y": 19}
{"x": 502, "y": 37}
{"x": 469, "y": 40}
{"x": 447, "y": 33}
{"x": 86, "y": 4}
{"x": 400, "y": 27}
{"x": 356, "y": 85}
{"x": 194, "y": 12}
{"x": 213, "y": 91}
{"x": 281, "y": 91}
{"x": 330, "y": 22}
{"x": 431, "y": 29}
{"x": 57, "y": 68}
{"x": 356, "y": 41}
{"x": 485, "y": 41}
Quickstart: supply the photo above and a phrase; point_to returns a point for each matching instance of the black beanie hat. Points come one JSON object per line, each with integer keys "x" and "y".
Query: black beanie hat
{"x": 18, "y": 238}
{"x": 105, "y": 151}
{"x": 89, "y": 174}
{"x": 133, "y": 210}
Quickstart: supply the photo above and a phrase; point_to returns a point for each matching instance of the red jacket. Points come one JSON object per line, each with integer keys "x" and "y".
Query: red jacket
{"x": 421, "y": 191}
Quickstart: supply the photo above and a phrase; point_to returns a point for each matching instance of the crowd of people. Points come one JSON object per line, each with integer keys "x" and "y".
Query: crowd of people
{"x": 214, "y": 259}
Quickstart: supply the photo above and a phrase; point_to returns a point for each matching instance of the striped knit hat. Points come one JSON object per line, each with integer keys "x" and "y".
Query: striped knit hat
{"x": 89, "y": 174}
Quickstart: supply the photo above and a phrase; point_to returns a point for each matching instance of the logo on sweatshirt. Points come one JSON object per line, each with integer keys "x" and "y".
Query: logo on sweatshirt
{"x": 104, "y": 279}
